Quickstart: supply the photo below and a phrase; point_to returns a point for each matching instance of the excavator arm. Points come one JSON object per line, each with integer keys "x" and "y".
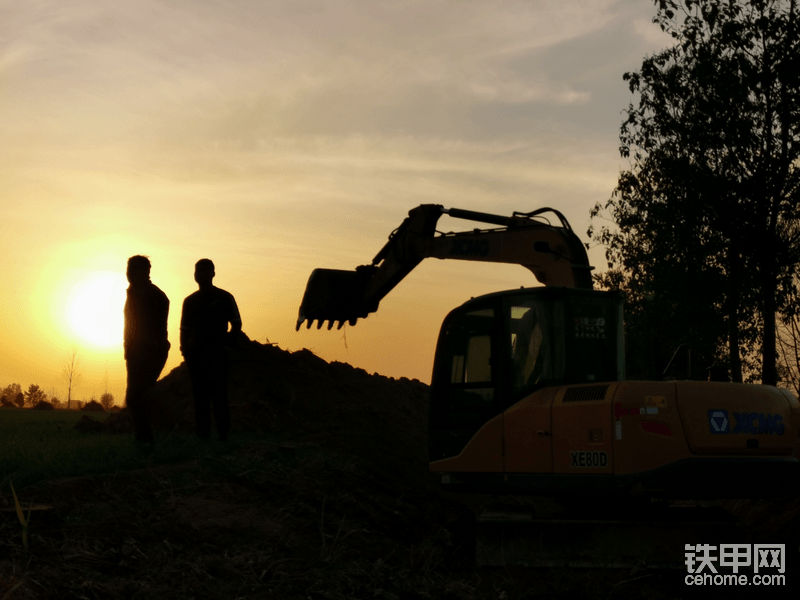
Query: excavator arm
{"x": 554, "y": 254}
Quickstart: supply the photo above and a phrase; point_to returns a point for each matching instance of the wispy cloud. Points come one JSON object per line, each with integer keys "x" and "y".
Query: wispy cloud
{"x": 652, "y": 34}
{"x": 148, "y": 60}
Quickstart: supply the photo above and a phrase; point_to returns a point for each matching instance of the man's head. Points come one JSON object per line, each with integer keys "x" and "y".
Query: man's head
{"x": 138, "y": 270}
{"x": 204, "y": 272}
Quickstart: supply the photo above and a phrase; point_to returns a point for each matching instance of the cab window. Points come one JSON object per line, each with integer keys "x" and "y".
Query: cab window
{"x": 531, "y": 355}
{"x": 470, "y": 360}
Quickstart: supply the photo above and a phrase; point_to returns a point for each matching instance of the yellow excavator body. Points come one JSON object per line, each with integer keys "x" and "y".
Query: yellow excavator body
{"x": 672, "y": 439}
{"x": 528, "y": 391}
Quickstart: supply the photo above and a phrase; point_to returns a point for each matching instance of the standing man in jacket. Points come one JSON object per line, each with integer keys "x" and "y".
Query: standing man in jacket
{"x": 145, "y": 343}
{"x": 204, "y": 335}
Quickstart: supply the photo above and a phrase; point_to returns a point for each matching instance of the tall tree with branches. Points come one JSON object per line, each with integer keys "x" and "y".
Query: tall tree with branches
{"x": 706, "y": 219}
{"x": 71, "y": 373}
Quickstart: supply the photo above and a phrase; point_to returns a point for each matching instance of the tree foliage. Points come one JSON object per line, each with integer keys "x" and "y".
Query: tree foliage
{"x": 11, "y": 391}
{"x": 705, "y": 238}
{"x": 34, "y": 395}
{"x": 107, "y": 401}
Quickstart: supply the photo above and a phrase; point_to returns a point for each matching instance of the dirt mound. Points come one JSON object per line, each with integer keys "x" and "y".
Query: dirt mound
{"x": 43, "y": 405}
{"x": 274, "y": 390}
{"x": 93, "y": 406}
{"x": 267, "y": 384}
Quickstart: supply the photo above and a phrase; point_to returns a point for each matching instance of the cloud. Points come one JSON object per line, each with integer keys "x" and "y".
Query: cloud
{"x": 12, "y": 56}
{"x": 126, "y": 67}
{"x": 652, "y": 34}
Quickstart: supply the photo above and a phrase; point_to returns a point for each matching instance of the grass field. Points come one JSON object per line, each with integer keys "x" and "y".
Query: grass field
{"x": 39, "y": 445}
{"x": 336, "y": 508}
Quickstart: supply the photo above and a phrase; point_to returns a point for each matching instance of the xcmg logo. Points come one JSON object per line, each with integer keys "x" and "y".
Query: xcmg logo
{"x": 752, "y": 423}
{"x": 462, "y": 247}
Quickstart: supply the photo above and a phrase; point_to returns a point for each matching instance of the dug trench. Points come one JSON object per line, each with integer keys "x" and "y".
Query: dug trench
{"x": 329, "y": 498}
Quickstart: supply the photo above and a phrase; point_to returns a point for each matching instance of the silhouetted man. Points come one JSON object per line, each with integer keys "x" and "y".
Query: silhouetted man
{"x": 204, "y": 335}
{"x": 146, "y": 345}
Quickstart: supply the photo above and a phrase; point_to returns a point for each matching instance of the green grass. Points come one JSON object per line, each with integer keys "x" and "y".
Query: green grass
{"x": 39, "y": 445}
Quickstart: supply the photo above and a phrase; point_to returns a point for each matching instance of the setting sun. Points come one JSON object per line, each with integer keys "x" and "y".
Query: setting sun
{"x": 94, "y": 310}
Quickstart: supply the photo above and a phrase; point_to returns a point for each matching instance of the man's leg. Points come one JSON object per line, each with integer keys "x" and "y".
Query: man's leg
{"x": 222, "y": 413}
{"x": 136, "y": 398}
{"x": 199, "y": 375}
{"x": 154, "y": 364}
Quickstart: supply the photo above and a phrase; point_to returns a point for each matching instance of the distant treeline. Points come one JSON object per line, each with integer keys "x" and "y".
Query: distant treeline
{"x": 35, "y": 397}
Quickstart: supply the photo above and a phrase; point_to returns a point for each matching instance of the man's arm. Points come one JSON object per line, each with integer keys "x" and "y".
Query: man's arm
{"x": 234, "y": 318}
{"x": 164, "y": 318}
{"x": 130, "y": 325}
{"x": 186, "y": 332}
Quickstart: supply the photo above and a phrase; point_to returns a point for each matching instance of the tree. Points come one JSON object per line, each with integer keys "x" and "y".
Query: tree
{"x": 34, "y": 395}
{"x": 11, "y": 391}
{"x": 54, "y": 399}
{"x": 107, "y": 401}
{"x": 71, "y": 373}
{"x": 707, "y": 216}
{"x": 19, "y": 400}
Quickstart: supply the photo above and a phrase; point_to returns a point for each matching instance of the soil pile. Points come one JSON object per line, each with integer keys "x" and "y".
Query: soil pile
{"x": 274, "y": 390}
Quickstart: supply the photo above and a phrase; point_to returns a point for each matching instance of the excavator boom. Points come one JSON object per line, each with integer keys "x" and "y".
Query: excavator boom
{"x": 554, "y": 254}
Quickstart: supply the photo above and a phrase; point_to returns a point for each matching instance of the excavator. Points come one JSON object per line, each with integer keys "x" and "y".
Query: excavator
{"x": 528, "y": 393}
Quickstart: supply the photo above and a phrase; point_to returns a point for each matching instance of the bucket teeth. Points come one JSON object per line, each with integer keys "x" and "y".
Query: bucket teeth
{"x": 336, "y": 296}
{"x": 320, "y": 322}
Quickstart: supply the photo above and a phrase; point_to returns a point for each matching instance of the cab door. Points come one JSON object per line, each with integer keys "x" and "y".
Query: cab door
{"x": 465, "y": 405}
{"x": 530, "y": 372}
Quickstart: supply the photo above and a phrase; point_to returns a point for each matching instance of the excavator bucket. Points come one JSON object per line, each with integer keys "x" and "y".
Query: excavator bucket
{"x": 335, "y": 295}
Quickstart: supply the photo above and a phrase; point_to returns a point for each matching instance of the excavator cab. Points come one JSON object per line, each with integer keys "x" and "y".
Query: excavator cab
{"x": 497, "y": 349}
{"x": 528, "y": 396}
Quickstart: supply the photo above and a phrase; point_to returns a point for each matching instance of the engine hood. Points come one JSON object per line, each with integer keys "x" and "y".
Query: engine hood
{"x": 732, "y": 418}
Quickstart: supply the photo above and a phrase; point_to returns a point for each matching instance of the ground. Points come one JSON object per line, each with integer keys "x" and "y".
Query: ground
{"x": 325, "y": 495}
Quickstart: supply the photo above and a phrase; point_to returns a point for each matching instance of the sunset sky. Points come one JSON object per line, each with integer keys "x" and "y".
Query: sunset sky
{"x": 275, "y": 137}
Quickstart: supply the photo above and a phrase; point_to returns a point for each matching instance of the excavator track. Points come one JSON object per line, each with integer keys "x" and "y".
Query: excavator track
{"x": 646, "y": 536}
